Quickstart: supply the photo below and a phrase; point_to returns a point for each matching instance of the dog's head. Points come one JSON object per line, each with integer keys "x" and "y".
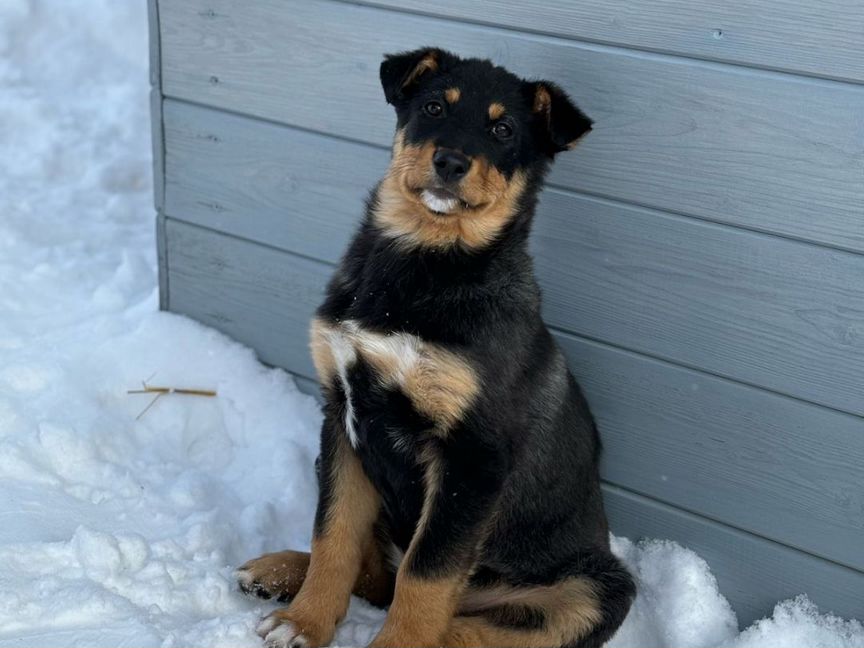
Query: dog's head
{"x": 471, "y": 138}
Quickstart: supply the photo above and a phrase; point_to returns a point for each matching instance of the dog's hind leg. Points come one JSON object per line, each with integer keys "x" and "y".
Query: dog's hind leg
{"x": 580, "y": 611}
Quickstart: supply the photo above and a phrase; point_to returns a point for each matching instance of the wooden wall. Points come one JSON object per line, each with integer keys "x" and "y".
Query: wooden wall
{"x": 701, "y": 254}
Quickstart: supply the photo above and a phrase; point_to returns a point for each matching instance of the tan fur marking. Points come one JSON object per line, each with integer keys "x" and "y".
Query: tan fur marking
{"x": 570, "y": 608}
{"x": 431, "y": 487}
{"x": 427, "y": 64}
{"x": 337, "y": 552}
{"x": 401, "y": 215}
{"x": 422, "y": 608}
{"x": 440, "y": 384}
{"x": 322, "y": 355}
{"x": 452, "y": 95}
{"x": 420, "y": 613}
{"x": 496, "y": 110}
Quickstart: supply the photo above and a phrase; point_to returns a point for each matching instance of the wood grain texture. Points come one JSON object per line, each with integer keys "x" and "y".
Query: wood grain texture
{"x": 153, "y": 32}
{"x": 710, "y": 445}
{"x": 771, "y": 312}
{"x": 681, "y": 436}
{"x": 824, "y": 40}
{"x": 157, "y": 140}
{"x": 162, "y": 261}
{"x": 767, "y": 311}
{"x": 285, "y": 187}
{"x": 752, "y": 573}
{"x": 156, "y": 132}
{"x": 258, "y": 295}
{"x": 762, "y": 150}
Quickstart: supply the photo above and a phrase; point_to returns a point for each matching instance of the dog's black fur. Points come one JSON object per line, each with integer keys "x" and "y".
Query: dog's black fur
{"x": 518, "y": 499}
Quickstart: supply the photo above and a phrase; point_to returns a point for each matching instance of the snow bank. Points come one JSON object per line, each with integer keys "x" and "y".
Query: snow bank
{"x": 123, "y": 532}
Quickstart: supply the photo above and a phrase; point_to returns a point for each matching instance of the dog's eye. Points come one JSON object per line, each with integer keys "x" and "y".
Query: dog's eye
{"x": 433, "y": 108}
{"x": 502, "y": 130}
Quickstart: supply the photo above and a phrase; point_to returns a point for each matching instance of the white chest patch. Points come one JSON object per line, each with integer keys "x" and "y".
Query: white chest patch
{"x": 344, "y": 356}
{"x": 393, "y": 357}
{"x": 440, "y": 383}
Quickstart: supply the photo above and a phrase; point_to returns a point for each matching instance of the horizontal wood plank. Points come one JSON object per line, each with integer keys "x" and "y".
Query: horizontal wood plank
{"x": 771, "y": 312}
{"x": 693, "y": 440}
{"x": 258, "y": 295}
{"x": 796, "y": 35}
{"x": 752, "y": 573}
{"x": 288, "y": 188}
{"x": 762, "y": 150}
{"x": 767, "y": 311}
{"x": 775, "y": 466}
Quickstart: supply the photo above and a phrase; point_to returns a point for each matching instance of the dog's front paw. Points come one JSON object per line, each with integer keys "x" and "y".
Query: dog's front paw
{"x": 284, "y": 629}
{"x": 281, "y": 633}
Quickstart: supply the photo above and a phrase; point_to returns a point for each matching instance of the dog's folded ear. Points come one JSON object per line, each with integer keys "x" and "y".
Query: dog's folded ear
{"x": 562, "y": 124}
{"x": 401, "y": 73}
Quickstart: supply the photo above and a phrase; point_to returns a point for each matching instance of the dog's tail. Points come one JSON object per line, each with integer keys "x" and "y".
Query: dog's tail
{"x": 614, "y": 589}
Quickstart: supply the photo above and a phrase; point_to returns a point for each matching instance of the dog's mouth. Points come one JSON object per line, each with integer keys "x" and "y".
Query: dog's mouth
{"x": 441, "y": 201}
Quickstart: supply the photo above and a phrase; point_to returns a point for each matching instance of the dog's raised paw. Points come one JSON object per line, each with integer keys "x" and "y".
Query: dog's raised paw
{"x": 277, "y": 575}
{"x": 249, "y": 585}
{"x": 246, "y": 580}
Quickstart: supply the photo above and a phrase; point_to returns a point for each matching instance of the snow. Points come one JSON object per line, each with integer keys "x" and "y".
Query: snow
{"x": 123, "y": 531}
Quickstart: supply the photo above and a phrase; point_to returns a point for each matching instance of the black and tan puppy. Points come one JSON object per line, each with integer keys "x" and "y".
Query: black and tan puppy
{"x": 458, "y": 456}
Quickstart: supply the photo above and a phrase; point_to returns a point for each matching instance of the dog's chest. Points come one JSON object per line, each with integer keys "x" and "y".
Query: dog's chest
{"x": 382, "y": 374}
{"x": 362, "y": 363}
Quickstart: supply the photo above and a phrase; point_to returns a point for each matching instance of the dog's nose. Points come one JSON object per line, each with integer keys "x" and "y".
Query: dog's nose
{"x": 450, "y": 165}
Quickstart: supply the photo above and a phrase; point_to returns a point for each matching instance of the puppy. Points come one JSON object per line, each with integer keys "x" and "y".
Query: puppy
{"x": 458, "y": 476}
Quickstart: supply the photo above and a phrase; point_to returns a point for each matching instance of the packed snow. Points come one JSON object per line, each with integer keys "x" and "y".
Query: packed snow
{"x": 122, "y": 530}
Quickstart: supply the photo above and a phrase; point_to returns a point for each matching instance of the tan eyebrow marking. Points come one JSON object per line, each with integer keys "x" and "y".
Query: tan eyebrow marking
{"x": 496, "y": 110}
{"x": 452, "y": 95}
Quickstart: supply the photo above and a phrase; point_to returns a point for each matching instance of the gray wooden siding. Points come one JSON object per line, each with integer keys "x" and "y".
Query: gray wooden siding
{"x": 669, "y": 285}
{"x": 701, "y": 253}
{"x": 740, "y": 146}
{"x": 821, "y": 39}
